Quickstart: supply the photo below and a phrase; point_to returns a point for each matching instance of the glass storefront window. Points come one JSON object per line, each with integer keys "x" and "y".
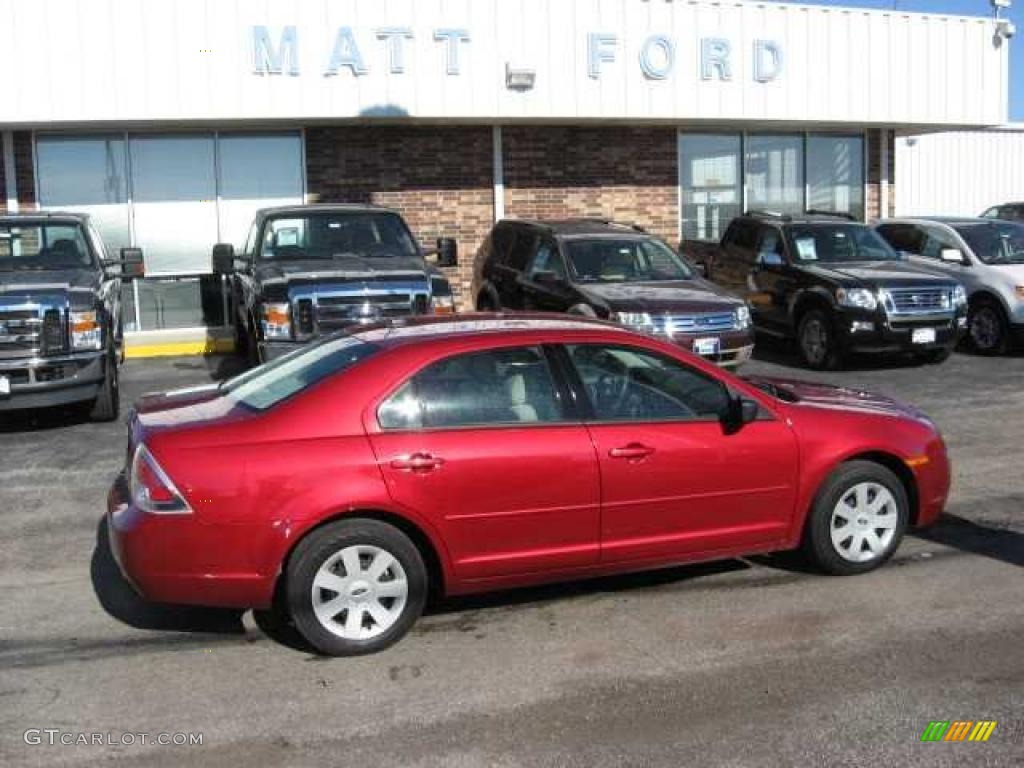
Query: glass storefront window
{"x": 774, "y": 167}
{"x": 835, "y": 174}
{"x": 710, "y": 175}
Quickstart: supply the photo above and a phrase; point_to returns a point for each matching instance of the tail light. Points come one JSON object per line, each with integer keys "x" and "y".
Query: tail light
{"x": 152, "y": 490}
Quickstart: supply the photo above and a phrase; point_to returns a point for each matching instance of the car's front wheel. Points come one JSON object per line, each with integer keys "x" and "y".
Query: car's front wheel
{"x": 857, "y": 520}
{"x": 355, "y": 587}
{"x": 817, "y": 341}
{"x": 107, "y": 404}
{"x": 986, "y": 328}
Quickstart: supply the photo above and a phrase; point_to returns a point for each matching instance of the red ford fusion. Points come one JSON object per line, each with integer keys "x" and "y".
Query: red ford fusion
{"x": 340, "y": 484}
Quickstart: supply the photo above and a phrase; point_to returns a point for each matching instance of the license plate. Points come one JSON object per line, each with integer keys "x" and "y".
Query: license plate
{"x": 707, "y": 346}
{"x": 5, "y": 386}
{"x": 923, "y": 336}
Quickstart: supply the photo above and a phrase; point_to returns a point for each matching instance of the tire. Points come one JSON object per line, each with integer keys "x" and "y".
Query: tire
{"x": 987, "y": 328}
{"x": 825, "y": 544}
{"x": 324, "y": 615}
{"x": 816, "y": 340}
{"x": 107, "y": 404}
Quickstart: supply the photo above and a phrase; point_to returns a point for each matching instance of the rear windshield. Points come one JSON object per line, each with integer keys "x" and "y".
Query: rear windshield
{"x": 266, "y": 386}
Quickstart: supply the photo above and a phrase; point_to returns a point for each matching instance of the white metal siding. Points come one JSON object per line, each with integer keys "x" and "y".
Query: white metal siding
{"x": 960, "y": 173}
{"x": 182, "y": 60}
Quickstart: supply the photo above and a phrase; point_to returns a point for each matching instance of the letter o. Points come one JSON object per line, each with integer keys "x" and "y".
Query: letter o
{"x": 652, "y": 68}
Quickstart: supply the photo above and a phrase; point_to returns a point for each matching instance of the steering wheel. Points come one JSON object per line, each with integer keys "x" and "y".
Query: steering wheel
{"x": 611, "y": 390}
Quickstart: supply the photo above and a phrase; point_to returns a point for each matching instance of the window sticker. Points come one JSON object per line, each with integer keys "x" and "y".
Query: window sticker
{"x": 805, "y": 247}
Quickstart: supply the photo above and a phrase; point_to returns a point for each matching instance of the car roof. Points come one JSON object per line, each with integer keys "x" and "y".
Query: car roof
{"x": 44, "y": 216}
{"x": 323, "y": 208}
{"x": 448, "y": 327}
{"x": 947, "y": 220}
{"x": 770, "y": 217}
{"x": 581, "y": 227}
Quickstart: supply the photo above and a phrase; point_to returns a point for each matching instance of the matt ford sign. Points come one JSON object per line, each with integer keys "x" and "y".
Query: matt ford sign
{"x": 279, "y": 51}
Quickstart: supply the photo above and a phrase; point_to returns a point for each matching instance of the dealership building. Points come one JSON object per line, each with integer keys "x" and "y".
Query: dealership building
{"x": 172, "y": 122}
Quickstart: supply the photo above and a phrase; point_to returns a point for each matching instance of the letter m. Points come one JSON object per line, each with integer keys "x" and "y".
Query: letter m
{"x": 266, "y": 60}
{"x": 935, "y": 731}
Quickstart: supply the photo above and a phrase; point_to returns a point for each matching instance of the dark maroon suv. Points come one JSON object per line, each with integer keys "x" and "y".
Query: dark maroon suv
{"x": 613, "y": 271}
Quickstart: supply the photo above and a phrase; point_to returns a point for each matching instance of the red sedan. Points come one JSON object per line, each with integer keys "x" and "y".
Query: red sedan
{"x": 344, "y": 481}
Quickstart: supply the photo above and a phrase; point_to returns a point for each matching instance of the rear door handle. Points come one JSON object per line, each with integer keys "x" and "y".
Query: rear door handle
{"x": 631, "y": 451}
{"x": 417, "y": 462}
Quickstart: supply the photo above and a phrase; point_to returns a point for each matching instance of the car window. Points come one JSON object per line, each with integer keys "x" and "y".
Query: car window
{"x": 992, "y": 213}
{"x": 902, "y": 237}
{"x": 498, "y": 387}
{"x": 744, "y": 234}
{"x": 548, "y": 259}
{"x": 632, "y": 384}
{"x": 995, "y": 241}
{"x": 771, "y": 244}
{"x": 935, "y": 242}
{"x": 521, "y": 250}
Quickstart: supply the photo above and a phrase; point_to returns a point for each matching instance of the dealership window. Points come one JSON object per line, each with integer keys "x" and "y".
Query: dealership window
{"x": 835, "y": 174}
{"x": 174, "y": 195}
{"x": 723, "y": 174}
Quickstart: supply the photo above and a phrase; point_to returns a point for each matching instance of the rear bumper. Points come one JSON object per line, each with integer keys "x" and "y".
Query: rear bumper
{"x": 177, "y": 559}
{"x": 48, "y": 381}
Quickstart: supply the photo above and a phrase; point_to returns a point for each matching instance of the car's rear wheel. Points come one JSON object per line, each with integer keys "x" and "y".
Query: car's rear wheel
{"x": 355, "y": 587}
{"x": 817, "y": 341}
{"x": 987, "y": 328}
{"x": 857, "y": 520}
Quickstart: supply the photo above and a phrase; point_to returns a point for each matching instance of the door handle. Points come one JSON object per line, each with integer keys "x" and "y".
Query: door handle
{"x": 417, "y": 462}
{"x": 632, "y": 451}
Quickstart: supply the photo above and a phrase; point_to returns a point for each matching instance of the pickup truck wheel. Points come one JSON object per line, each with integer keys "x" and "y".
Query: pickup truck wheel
{"x": 986, "y": 328}
{"x": 107, "y": 405}
{"x": 355, "y": 587}
{"x": 817, "y": 341}
{"x": 858, "y": 519}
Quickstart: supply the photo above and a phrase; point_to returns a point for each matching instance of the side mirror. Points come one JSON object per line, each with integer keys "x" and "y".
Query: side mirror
{"x": 132, "y": 264}
{"x": 738, "y": 413}
{"x": 223, "y": 259}
{"x": 547, "y": 278}
{"x": 701, "y": 268}
{"x": 952, "y": 255}
{"x": 447, "y": 252}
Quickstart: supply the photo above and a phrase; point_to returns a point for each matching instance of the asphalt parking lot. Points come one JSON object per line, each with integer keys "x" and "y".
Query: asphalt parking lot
{"x": 737, "y": 663}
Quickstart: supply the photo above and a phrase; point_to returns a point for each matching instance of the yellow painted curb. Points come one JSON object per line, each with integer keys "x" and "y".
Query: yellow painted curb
{"x": 181, "y": 348}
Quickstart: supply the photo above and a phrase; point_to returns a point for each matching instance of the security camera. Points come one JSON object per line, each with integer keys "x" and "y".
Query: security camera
{"x": 1005, "y": 28}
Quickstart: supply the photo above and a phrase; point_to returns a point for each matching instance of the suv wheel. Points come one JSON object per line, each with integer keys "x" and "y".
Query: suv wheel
{"x": 107, "y": 404}
{"x": 355, "y": 587}
{"x": 986, "y": 328}
{"x": 816, "y": 340}
{"x": 857, "y": 520}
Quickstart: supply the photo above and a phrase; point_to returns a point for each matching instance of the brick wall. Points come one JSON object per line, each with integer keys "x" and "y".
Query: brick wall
{"x": 24, "y": 170}
{"x": 627, "y": 174}
{"x": 873, "y": 202}
{"x": 439, "y": 178}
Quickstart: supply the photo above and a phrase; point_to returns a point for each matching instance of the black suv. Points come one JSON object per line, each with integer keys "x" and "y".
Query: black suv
{"x": 598, "y": 268}
{"x": 837, "y": 287}
{"x": 60, "y": 313}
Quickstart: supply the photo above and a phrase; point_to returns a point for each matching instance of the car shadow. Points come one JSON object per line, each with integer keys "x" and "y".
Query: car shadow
{"x": 968, "y": 536}
{"x": 784, "y": 353}
{"x": 117, "y": 597}
{"x": 44, "y": 419}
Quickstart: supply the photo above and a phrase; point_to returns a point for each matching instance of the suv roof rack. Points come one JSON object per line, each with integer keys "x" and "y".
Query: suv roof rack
{"x": 606, "y": 221}
{"x": 836, "y": 214}
{"x": 769, "y": 215}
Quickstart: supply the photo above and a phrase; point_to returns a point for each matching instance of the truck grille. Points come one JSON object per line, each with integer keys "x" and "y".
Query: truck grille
{"x": 915, "y": 300}
{"x": 706, "y": 322}
{"x": 30, "y": 330}
{"x": 327, "y": 308}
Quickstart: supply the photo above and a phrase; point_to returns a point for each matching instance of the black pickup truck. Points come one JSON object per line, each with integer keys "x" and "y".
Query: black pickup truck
{"x": 61, "y": 336}
{"x": 836, "y": 287}
{"x": 312, "y": 269}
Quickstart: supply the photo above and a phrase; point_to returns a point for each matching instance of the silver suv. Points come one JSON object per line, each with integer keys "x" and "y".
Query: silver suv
{"x": 986, "y": 256}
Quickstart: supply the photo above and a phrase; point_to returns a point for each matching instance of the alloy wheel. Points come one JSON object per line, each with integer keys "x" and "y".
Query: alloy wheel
{"x": 814, "y": 341}
{"x": 359, "y": 592}
{"x": 986, "y": 329}
{"x": 864, "y": 522}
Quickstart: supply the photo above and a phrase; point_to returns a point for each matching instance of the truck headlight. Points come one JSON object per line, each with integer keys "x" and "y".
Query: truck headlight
{"x": 959, "y": 297}
{"x": 741, "y": 318}
{"x": 441, "y": 300}
{"x": 638, "y": 320}
{"x": 86, "y": 331}
{"x": 859, "y": 298}
{"x": 277, "y": 322}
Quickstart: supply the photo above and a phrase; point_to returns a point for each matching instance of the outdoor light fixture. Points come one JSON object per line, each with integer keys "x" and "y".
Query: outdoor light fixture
{"x": 519, "y": 79}
{"x": 1005, "y": 29}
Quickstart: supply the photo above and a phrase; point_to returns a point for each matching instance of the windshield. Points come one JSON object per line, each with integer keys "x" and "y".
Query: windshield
{"x": 266, "y": 386}
{"x": 995, "y": 242}
{"x": 607, "y": 260}
{"x": 38, "y": 245}
{"x": 334, "y": 234}
{"x": 830, "y": 243}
